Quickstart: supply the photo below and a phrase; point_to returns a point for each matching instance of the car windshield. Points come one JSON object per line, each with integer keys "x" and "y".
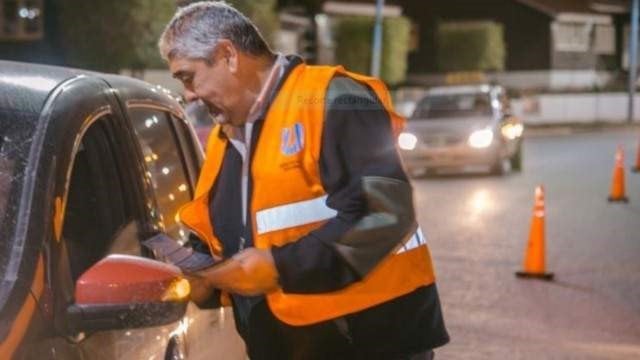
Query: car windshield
{"x": 16, "y": 132}
{"x": 453, "y": 106}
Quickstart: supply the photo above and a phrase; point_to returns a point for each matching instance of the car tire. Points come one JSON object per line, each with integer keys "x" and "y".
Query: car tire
{"x": 516, "y": 160}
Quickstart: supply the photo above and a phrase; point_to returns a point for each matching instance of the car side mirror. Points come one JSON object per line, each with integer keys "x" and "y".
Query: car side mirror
{"x": 123, "y": 291}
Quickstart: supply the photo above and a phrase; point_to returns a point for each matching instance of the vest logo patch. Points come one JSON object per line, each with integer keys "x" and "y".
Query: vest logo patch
{"x": 292, "y": 140}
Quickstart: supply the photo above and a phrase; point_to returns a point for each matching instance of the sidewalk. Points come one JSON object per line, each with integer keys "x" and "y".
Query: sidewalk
{"x": 572, "y": 128}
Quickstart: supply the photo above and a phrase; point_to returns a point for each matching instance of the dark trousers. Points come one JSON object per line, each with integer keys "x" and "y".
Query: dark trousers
{"x": 269, "y": 338}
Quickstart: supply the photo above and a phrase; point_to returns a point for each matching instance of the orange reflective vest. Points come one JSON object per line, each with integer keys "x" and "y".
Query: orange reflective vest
{"x": 288, "y": 199}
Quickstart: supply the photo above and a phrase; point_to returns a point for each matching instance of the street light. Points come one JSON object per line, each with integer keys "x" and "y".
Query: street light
{"x": 377, "y": 40}
{"x": 633, "y": 58}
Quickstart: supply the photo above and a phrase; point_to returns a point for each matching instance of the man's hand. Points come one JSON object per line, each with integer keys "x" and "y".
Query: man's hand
{"x": 201, "y": 291}
{"x": 250, "y": 272}
{"x": 261, "y": 275}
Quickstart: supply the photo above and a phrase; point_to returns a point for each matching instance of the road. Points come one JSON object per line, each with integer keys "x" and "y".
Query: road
{"x": 478, "y": 226}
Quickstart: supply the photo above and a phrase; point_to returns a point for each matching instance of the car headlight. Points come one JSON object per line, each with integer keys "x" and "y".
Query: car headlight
{"x": 407, "y": 141}
{"x": 481, "y": 138}
{"x": 512, "y": 131}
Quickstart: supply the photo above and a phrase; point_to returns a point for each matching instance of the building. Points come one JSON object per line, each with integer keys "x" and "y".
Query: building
{"x": 28, "y": 31}
{"x": 539, "y": 34}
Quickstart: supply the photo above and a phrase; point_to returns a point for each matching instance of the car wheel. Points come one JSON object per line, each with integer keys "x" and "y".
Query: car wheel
{"x": 516, "y": 160}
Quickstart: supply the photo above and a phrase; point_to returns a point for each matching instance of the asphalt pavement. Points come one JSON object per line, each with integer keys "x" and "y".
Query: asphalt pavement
{"x": 478, "y": 225}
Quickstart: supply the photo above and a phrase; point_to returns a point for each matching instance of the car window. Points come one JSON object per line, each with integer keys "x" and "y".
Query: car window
{"x": 16, "y": 135}
{"x": 99, "y": 219}
{"x": 453, "y": 106}
{"x": 192, "y": 150}
{"x": 198, "y": 115}
{"x": 165, "y": 164}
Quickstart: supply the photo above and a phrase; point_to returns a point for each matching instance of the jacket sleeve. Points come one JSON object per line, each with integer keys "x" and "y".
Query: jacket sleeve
{"x": 366, "y": 185}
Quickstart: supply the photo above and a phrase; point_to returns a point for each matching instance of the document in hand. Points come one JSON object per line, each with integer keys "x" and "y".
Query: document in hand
{"x": 170, "y": 251}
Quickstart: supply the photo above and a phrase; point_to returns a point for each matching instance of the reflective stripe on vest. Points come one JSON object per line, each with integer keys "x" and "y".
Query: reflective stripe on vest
{"x": 309, "y": 212}
{"x": 291, "y": 215}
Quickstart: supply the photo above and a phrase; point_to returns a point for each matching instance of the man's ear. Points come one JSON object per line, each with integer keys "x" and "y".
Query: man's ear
{"x": 229, "y": 55}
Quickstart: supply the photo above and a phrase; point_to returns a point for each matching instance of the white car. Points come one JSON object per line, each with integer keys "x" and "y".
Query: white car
{"x": 460, "y": 127}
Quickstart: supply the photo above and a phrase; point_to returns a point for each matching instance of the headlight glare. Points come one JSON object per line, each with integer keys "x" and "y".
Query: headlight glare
{"x": 512, "y": 131}
{"x": 407, "y": 141}
{"x": 480, "y": 139}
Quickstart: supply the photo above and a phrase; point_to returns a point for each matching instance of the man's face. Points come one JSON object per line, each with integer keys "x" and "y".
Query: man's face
{"x": 213, "y": 82}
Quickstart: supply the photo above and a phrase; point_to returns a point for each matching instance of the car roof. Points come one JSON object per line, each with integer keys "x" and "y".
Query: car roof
{"x": 25, "y": 86}
{"x": 461, "y": 89}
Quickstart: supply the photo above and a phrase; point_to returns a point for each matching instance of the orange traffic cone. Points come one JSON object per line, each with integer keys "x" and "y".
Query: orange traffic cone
{"x": 534, "y": 259}
{"x": 617, "y": 185}
{"x": 636, "y": 167}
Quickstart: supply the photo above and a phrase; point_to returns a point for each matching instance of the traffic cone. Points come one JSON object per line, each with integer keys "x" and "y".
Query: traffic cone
{"x": 636, "y": 167}
{"x": 534, "y": 258}
{"x": 617, "y": 185}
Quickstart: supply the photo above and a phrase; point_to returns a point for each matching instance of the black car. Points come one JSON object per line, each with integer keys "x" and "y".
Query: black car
{"x": 91, "y": 165}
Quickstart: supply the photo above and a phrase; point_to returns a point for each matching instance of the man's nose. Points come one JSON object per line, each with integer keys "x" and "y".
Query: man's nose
{"x": 190, "y": 96}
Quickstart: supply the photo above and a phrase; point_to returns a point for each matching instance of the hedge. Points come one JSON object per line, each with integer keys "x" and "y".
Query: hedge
{"x": 353, "y": 36}
{"x": 470, "y": 46}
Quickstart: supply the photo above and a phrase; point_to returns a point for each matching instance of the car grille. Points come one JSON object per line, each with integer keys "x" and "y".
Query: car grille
{"x": 442, "y": 140}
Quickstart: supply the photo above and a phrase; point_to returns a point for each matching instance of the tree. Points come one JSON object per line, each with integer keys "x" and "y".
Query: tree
{"x": 312, "y": 6}
{"x": 262, "y": 13}
{"x": 106, "y": 35}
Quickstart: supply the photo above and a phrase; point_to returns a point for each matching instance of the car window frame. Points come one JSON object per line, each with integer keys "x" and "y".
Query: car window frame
{"x": 122, "y": 147}
{"x": 115, "y": 165}
{"x": 186, "y": 141}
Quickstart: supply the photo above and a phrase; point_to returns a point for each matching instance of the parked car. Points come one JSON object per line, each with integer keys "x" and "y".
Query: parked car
{"x": 90, "y": 165}
{"x": 462, "y": 126}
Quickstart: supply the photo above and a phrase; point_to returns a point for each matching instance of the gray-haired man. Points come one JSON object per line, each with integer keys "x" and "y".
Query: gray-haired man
{"x": 303, "y": 193}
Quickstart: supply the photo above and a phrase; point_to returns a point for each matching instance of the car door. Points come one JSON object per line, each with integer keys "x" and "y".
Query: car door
{"x": 100, "y": 209}
{"x": 102, "y": 218}
{"x": 172, "y": 159}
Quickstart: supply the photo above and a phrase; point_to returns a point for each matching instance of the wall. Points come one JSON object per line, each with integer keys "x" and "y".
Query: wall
{"x": 555, "y": 80}
{"x": 549, "y": 109}
{"x": 575, "y": 108}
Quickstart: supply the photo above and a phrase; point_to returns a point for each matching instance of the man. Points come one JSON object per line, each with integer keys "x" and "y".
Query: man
{"x": 304, "y": 195}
